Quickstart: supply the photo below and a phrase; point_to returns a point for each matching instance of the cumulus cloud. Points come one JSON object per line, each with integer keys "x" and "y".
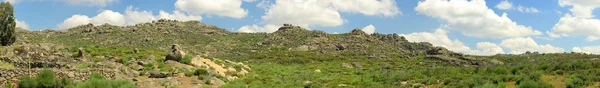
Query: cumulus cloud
{"x": 527, "y": 9}
{"x": 325, "y": 13}
{"x": 581, "y": 8}
{"x": 504, "y": 5}
{"x": 110, "y": 17}
{"x": 22, "y": 24}
{"x": 440, "y": 38}
{"x": 135, "y": 16}
{"x": 106, "y": 16}
{"x": 101, "y": 3}
{"x": 132, "y": 16}
{"x": 369, "y": 29}
{"x": 178, "y": 15}
{"x": 587, "y": 49}
{"x": 580, "y": 22}
{"x": 591, "y": 38}
{"x": 303, "y": 13}
{"x": 366, "y": 7}
{"x": 226, "y": 8}
{"x": 473, "y": 18}
{"x": 255, "y": 28}
{"x": 74, "y": 21}
{"x": 522, "y": 45}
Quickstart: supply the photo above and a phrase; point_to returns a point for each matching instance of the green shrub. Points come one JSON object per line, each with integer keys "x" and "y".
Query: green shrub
{"x": 575, "y": 82}
{"x": 500, "y": 70}
{"x": 488, "y": 85}
{"x": 533, "y": 84}
{"x": 187, "y": 59}
{"x": 45, "y": 79}
{"x": 189, "y": 73}
{"x": 514, "y": 70}
{"x": 200, "y": 72}
{"x": 98, "y": 81}
{"x": 124, "y": 60}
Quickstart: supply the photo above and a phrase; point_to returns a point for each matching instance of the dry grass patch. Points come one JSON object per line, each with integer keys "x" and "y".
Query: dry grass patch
{"x": 555, "y": 81}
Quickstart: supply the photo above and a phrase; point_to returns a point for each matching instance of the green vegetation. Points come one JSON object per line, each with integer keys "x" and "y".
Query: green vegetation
{"x": 7, "y": 25}
{"x": 187, "y": 59}
{"x": 47, "y": 79}
{"x": 381, "y": 60}
{"x": 98, "y": 81}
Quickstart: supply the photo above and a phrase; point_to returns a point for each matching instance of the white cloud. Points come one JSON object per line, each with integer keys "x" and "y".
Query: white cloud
{"x": 580, "y": 22}
{"x": 522, "y": 45}
{"x": 227, "y": 8}
{"x": 440, "y": 38}
{"x": 307, "y": 13}
{"x": 504, "y": 5}
{"x": 22, "y": 24}
{"x": 106, "y": 16}
{"x": 591, "y": 38}
{"x": 255, "y": 28}
{"x": 11, "y": 1}
{"x": 581, "y": 8}
{"x": 134, "y": 16}
{"x": 178, "y": 15}
{"x": 570, "y": 25}
{"x": 587, "y": 49}
{"x": 527, "y": 9}
{"x": 369, "y": 29}
{"x": 473, "y": 18}
{"x": 74, "y": 21}
{"x": 101, "y": 3}
{"x": 110, "y": 17}
{"x": 302, "y": 13}
{"x": 366, "y": 7}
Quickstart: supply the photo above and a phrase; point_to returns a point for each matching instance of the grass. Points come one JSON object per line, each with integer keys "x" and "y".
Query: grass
{"x": 6, "y": 65}
{"x": 385, "y": 63}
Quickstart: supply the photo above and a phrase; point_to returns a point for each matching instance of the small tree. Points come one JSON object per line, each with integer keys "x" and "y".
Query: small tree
{"x": 7, "y": 24}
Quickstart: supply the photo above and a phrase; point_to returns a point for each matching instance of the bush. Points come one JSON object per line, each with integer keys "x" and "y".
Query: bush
{"x": 98, "y": 81}
{"x": 514, "y": 70}
{"x": 575, "y": 82}
{"x": 124, "y": 60}
{"x": 187, "y": 59}
{"x": 45, "y": 79}
{"x": 500, "y": 70}
{"x": 200, "y": 72}
{"x": 488, "y": 85}
{"x": 533, "y": 84}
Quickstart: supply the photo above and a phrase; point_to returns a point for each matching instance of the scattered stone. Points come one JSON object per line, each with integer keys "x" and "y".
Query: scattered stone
{"x": 346, "y": 65}
{"x": 216, "y": 81}
{"x": 357, "y": 65}
{"x": 318, "y": 71}
{"x": 81, "y": 53}
{"x": 157, "y": 74}
{"x": 342, "y": 85}
{"x": 301, "y": 48}
{"x": 496, "y": 62}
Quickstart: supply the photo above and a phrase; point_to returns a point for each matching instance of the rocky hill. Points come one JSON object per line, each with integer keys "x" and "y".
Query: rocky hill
{"x": 170, "y": 53}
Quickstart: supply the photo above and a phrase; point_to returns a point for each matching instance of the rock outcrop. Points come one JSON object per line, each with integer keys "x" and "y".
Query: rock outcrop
{"x": 176, "y": 53}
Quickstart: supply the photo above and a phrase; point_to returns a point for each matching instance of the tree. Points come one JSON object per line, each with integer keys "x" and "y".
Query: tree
{"x": 7, "y": 24}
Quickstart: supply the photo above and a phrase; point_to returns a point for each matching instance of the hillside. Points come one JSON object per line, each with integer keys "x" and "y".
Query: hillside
{"x": 209, "y": 56}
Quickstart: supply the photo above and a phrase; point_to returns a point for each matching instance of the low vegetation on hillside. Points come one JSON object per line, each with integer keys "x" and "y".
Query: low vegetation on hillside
{"x": 290, "y": 57}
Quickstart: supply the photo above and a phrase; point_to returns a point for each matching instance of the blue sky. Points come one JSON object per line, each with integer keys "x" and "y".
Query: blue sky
{"x": 529, "y": 25}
